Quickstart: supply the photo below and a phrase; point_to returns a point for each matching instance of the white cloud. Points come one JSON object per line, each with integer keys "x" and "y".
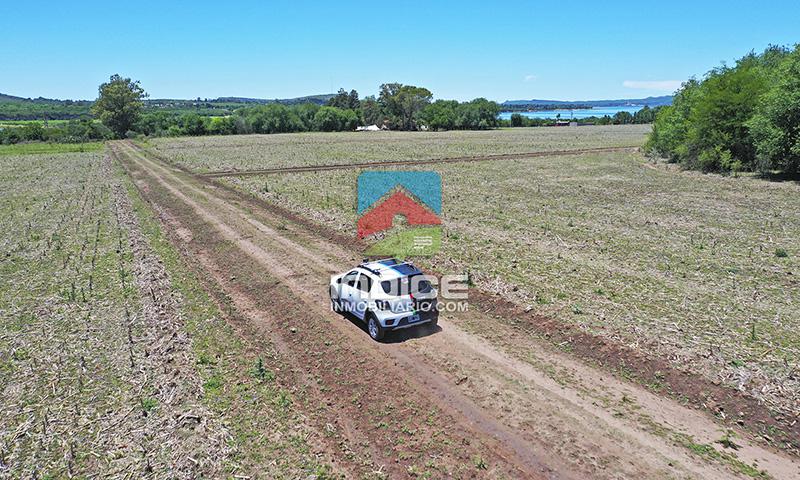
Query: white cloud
{"x": 663, "y": 85}
{"x": 530, "y": 78}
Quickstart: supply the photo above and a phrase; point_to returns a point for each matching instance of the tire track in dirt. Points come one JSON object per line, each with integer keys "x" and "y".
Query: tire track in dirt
{"x": 395, "y": 163}
{"x": 604, "y": 446}
{"x": 527, "y": 464}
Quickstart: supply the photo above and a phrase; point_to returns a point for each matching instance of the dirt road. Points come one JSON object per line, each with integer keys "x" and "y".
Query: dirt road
{"x": 401, "y": 163}
{"x": 473, "y": 398}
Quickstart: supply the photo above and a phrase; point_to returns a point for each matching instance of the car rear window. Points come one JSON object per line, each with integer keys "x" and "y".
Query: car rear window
{"x": 414, "y": 284}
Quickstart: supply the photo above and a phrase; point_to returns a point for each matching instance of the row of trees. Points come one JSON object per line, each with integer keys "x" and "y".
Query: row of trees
{"x": 120, "y": 109}
{"x": 478, "y": 114}
{"x": 644, "y": 115}
{"x": 72, "y": 131}
{"x": 744, "y": 117}
{"x": 397, "y": 107}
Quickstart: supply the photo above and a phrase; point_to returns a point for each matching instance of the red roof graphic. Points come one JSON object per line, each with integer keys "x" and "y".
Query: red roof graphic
{"x": 381, "y": 217}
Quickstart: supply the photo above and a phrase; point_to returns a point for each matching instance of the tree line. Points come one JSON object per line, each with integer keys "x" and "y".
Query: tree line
{"x": 120, "y": 108}
{"x": 744, "y": 117}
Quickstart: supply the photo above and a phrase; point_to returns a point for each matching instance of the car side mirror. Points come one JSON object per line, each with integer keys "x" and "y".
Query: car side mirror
{"x": 339, "y": 280}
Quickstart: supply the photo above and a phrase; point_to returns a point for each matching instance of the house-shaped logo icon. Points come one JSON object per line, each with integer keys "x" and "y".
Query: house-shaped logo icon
{"x": 415, "y": 196}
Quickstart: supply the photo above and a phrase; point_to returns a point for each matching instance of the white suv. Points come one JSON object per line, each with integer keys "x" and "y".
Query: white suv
{"x": 387, "y": 295}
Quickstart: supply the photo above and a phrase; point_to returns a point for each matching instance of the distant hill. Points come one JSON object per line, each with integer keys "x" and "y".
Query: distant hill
{"x": 321, "y": 99}
{"x": 649, "y": 101}
{"x": 19, "y": 108}
{"x": 10, "y": 98}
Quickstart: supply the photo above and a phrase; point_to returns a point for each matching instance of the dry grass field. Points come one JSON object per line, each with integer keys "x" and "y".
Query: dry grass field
{"x": 113, "y": 360}
{"x": 701, "y": 269}
{"x": 245, "y": 152}
{"x": 159, "y": 323}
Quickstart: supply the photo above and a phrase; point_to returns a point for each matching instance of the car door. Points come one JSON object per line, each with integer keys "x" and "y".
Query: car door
{"x": 361, "y": 295}
{"x": 347, "y": 289}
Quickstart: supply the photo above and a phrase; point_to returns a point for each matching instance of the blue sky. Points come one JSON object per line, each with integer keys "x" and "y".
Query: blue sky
{"x": 566, "y": 50}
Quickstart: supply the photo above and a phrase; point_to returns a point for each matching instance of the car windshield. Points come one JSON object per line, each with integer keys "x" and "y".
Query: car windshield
{"x": 411, "y": 284}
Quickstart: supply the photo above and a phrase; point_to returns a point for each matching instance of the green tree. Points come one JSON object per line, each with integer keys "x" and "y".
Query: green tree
{"x": 718, "y": 120}
{"x": 403, "y": 103}
{"x": 332, "y": 119}
{"x": 622, "y": 118}
{"x": 272, "y": 118}
{"x": 671, "y": 126}
{"x": 708, "y": 127}
{"x": 440, "y": 115}
{"x": 775, "y": 127}
{"x": 306, "y": 113}
{"x": 345, "y": 100}
{"x": 193, "y": 124}
{"x": 478, "y": 114}
{"x": 645, "y": 115}
{"x": 371, "y": 111}
{"x": 119, "y": 104}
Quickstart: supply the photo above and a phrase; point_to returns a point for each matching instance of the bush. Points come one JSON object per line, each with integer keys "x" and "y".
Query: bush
{"x": 738, "y": 118}
{"x": 332, "y": 119}
{"x": 774, "y": 127}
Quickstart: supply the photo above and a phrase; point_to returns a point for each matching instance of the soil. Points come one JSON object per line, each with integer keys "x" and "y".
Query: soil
{"x": 487, "y": 394}
{"x": 402, "y": 163}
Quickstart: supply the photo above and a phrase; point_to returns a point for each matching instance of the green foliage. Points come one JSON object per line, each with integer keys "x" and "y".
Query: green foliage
{"x": 622, "y": 118}
{"x": 775, "y": 127}
{"x": 273, "y": 118}
{"x": 440, "y": 115}
{"x": 73, "y": 131}
{"x": 148, "y": 404}
{"x": 479, "y": 114}
{"x": 123, "y": 111}
{"x": 41, "y": 147}
{"x": 119, "y": 104}
{"x": 371, "y": 111}
{"x": 332, "y": 119}
{"x": 344, "y": 100}
{"x": 12, "y": 108}
{"x": 260, "y": 372}
{"x": 740, "y": 118}
{"x": 402, "y": 104}
{"x": 306, "y": 112}
{"x": 645, "y": 115}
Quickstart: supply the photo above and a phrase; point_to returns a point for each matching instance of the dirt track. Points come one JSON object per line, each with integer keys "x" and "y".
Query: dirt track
{"x": 475, "y": 397}
{"x": 349, "y": 166}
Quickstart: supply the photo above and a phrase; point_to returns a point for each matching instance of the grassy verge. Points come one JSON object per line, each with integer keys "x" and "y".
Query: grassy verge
{"x": 42, "y": 148}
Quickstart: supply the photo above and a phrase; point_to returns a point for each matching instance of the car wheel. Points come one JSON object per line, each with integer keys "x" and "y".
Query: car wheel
{"x": 374, "y": 327}
{"x": 434, "y": 322}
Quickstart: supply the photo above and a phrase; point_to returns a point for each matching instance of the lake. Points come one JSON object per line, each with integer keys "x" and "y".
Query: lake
{"x": 566, "y": 114}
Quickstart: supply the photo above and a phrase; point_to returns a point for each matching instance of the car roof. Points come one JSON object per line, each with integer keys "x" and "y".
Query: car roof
{"x": 390, "y": 268}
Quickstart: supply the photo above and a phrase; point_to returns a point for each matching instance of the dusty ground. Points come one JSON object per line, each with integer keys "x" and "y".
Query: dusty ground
{"x": 475, "y": 398}
{"x": 249, "y": 152}
{"x": 702, "y": 269}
